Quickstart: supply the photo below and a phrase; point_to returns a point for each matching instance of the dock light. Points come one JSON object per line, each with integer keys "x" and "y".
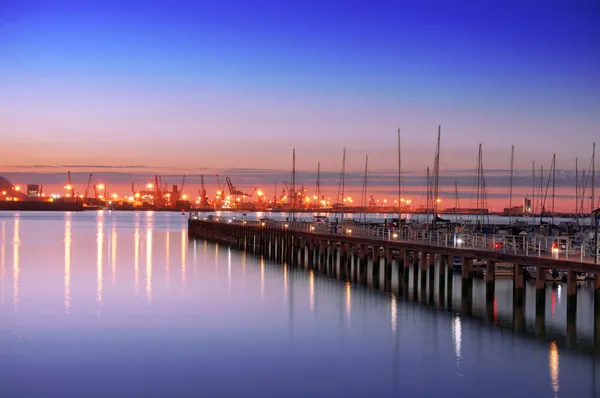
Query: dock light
{"x": 349, "y": 231}
{"x": 137, "y": 195}
{"x": 262, "y": 223}
{"x": 395, "y": 236}
{"x": 130, "y": 198}
{"x": 184, "y": 197}
{"x": 101, "y": 186}
{"x": 285, "y": 226}
{"x": 18, "y": 188}
{"x": 312, "y": 228}
{"x": 115, "y": 196}
{"x": 150, "y": 186}
{"x": 259, "y": 193}
{"x": 3, "y": 192}
{"x": 81, "y": 196}
{"x": 459, "y": 241}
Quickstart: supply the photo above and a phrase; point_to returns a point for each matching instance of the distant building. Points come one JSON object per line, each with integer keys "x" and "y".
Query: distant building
{"x": 33, "y": 191}
{"x": 527, "y": 206}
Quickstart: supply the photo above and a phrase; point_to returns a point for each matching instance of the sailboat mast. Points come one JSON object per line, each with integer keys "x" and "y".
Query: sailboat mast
{"x": 593, "y": 179}
{"x": 576, "y": 191}
{"x": 293, "y": 190}
{"x": 428, "y": 195}
{"x": 533, "y": 202}
{"x": 318, "y": 184}
{"x": 364, "y": 194}
{"x": 512, "y": 164}
{"x": 399, "y": 178}
{"x": 456, "y": 201}
{"x": 436, "y": 176}
{"x": 553, "y": 183}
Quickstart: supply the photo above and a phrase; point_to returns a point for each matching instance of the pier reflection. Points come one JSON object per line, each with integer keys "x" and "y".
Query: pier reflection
{"x": 457, "y": 338}
{"x": 553, "y": 365}
{"x": 348, "y": 302}
{"x": 262, "y": 280}
{"x": 67, "y": 278}
{"x": 16, "y": 265}
{"x": 311, "y": 292}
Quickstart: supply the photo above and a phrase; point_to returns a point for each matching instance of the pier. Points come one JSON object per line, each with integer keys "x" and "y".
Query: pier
{"x": 420, "y": 268}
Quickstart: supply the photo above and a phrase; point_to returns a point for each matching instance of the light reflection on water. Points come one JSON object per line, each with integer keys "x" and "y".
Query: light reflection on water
{"x": 260, "y": 327}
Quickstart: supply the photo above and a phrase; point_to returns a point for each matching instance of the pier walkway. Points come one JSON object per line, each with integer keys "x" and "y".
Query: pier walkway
{"x": 421, "y": 262}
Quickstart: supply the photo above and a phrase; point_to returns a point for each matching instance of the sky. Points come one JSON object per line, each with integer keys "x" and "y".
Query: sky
{"x": 180, "y": 86}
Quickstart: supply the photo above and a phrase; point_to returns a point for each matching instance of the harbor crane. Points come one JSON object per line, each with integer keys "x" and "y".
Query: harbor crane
{"x": 87, "y": 187}
{"x": 234, "y": 192}
{"x": 203, "y": 196}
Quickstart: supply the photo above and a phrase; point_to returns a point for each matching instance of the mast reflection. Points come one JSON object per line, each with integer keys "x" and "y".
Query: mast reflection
{"x": 113, "y": 246}
{"x": 67, "y": 281}
{"x": 183, "y": 256}
{"x": 149, "y": 264}
{"x": 136, "y": 259}
{"x": 99, "y": 258}
{"x": 168, "y": 260}
{"x": 229, "y": 270}
{"x": 16, "y": 269}
{"x": 553, "y": 364}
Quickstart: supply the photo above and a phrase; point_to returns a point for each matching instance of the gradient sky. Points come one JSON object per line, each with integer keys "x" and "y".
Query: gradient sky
{"x": 192, "y": 84}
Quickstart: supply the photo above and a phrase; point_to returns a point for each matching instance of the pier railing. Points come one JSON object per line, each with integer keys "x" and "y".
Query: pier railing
{"x": 556, "y": 247}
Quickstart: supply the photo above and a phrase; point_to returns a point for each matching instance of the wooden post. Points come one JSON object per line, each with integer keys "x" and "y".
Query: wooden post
{"x": 388, "y": 269}
{"x": 449, "y": 281}
{"x": 490, "y": 280}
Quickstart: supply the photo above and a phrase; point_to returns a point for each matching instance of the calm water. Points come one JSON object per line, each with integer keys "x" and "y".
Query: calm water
{"x": 123, "y": 304}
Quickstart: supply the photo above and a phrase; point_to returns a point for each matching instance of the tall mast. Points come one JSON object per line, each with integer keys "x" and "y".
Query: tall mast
{"x": 533, "y": 202}
{"x": 456, "y": 200}
{"x": 342, "y": 184}
{"x": 512, "y": 164}
{"x": 436, "y": 176}
{"x": 399, "y": 177}
{"x": 318, "y": 184}
{"x": 293, "y": 193}
{"x": 553, "y": 183}
{"x": 540, "y": 193}
{"x": 363, "y": 199}
{"x": 593, "y": 179}
{"x": 428, "y": 206}
{"x": 576, "y": 191}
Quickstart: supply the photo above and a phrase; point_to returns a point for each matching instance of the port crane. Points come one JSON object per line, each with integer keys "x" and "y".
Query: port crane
{"x": 87, "y": 188}
{"x": 202, "y": 192}
{"x": 70, "y": 188}
{"x": 234, "y": 192}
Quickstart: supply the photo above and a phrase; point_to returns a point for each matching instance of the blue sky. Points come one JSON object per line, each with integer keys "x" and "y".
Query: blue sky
{"x": 239, "y": 84}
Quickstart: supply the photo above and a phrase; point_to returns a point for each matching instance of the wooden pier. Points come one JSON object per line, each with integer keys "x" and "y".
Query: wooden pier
{"x": 374, "y": 262}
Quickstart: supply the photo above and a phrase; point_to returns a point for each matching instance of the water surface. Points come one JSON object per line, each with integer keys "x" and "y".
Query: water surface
{"x": 123, "y": 304}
